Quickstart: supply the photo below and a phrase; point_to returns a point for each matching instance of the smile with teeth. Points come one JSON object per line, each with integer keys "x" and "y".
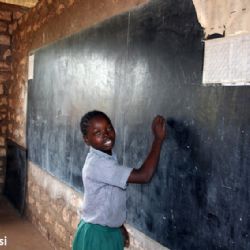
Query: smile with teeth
{"x": 107, "y": 142}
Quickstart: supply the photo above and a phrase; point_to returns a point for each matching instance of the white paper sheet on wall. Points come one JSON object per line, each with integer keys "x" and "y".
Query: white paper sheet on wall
{"x": 227, "y": 61}
{"x": 31, "y": 67}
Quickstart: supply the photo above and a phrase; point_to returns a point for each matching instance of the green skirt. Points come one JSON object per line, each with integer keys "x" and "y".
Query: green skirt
{"x": 96, "y": 237}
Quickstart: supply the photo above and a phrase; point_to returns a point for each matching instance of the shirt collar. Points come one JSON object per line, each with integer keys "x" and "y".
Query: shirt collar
{"x": 102, "y": 154}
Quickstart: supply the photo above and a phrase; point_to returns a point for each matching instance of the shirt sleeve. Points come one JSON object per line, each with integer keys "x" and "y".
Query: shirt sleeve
{"x": 110, "y": 172}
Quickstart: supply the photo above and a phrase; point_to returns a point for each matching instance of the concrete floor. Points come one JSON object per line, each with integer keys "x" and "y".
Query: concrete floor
{"x": 20, "y": 233}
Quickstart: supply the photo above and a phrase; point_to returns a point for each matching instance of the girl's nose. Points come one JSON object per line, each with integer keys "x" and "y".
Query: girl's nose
{"x": 105, "y": 134}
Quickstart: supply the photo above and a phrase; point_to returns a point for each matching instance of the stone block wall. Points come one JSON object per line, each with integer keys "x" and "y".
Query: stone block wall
{"x": 52, "y": 207}
{"x": 9, "y": 14}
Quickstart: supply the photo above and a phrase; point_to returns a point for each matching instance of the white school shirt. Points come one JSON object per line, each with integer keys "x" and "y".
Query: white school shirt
{"x": 105, "y": 183}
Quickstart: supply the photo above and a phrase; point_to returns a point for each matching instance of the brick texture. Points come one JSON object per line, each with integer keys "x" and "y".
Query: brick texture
{"x": 8, "y": 16}
{"x": 59, "y": 222}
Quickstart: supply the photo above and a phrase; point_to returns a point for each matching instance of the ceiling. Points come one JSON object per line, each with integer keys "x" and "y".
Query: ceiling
{"x": 24, "y": 3}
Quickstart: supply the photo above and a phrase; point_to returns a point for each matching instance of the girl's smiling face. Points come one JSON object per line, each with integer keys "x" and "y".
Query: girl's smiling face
{"x": 100, "y": 134}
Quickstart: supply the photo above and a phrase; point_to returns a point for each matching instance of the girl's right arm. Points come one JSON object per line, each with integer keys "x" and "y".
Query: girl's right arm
{"x": 145, "y": 173}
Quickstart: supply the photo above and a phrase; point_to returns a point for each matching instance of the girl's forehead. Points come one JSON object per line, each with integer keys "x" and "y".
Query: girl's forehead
{"x": 98, "y": 119}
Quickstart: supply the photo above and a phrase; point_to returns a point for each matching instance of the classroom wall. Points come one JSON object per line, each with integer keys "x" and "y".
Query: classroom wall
{"x": 51, "y": 205}
{"x": 9, "y": 14}
{"x": 49, "y": 21}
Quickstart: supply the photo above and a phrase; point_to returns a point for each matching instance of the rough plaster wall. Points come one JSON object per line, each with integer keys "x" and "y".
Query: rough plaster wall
{"x": 52, "y": 207}
{"x": 229, "y": 17}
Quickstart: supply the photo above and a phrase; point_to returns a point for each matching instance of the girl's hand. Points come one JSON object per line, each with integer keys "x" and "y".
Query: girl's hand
{"x": 146, "y": 171}
{"x": 125, "y": 236}
{"x": 159, "y": 128}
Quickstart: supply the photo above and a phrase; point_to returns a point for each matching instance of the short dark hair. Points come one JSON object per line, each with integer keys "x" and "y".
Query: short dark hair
{"x": 84, "y": 124}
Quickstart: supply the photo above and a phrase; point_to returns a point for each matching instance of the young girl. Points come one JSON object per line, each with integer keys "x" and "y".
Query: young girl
{"x": 105, "y": 182}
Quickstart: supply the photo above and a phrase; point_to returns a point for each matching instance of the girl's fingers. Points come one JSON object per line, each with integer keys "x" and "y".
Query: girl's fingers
{"x": 159, "y": 122}
{"x": 127, "y": 243}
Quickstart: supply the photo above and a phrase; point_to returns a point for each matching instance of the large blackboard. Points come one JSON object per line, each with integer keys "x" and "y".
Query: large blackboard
{"x": 134, "y": 66}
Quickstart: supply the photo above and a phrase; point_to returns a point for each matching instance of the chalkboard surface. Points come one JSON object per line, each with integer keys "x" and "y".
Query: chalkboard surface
{"x": 133, "y": 67}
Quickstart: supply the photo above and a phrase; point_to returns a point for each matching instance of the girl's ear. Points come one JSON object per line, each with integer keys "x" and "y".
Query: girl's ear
{"x": 86, "y": 140}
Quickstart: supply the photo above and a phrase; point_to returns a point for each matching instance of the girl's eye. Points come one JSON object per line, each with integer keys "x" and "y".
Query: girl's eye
{"x": 97, "y": 133}
{"x": 109, "y": 129}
